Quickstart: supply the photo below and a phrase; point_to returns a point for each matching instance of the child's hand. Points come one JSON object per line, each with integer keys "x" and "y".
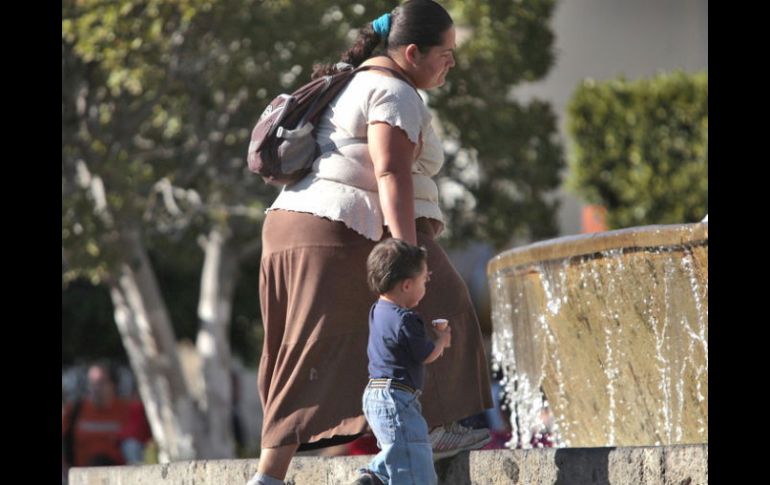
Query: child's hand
{"x": 443, "y": 340}
{"x": 445, "y": 336}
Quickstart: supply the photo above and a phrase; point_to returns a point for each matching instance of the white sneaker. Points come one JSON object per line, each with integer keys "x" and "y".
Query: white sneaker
{"x": 260, "y": 479}
{"x": 451, "y": 439}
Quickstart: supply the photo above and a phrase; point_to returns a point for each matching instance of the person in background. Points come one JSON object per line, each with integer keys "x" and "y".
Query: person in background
{"x": 135, "y": 433}
{"x": 92, "y": 427}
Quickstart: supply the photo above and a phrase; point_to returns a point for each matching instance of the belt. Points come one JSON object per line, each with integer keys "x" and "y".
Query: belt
{"x": 383, "y": 384}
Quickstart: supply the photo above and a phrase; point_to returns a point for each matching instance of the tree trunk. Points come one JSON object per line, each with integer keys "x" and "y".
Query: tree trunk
{"x": 148, "y": 337}
{"x": 214, "y": 312}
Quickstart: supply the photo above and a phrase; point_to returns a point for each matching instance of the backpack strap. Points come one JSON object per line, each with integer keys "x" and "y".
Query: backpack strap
{"x": 344, "y": 66}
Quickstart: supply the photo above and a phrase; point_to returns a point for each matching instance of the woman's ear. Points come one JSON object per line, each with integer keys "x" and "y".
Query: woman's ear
{"x": 412, "y": 54}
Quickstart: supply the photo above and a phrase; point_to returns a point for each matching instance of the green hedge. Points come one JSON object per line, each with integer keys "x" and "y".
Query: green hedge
{"x": 641, "y": 148}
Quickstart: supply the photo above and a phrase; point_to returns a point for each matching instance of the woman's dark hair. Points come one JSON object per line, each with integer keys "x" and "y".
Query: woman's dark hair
{"x": 392, "y": 261}
{"x": 419, "y": 22}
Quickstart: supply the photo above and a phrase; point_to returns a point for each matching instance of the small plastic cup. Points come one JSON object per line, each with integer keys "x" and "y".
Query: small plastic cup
{"x": 440, "y": 323}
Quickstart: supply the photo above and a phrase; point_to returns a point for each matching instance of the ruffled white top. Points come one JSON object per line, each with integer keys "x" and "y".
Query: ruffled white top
{"x": 341, "y": 185}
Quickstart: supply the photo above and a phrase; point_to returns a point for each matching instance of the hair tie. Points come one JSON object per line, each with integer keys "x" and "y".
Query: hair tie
{"x": 381, "y": 25}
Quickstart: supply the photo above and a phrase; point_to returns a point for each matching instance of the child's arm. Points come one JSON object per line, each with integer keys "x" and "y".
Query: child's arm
{"x": 444, "y": 339}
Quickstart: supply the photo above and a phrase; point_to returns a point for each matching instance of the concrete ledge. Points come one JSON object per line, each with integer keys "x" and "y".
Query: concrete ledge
{"x": 657, "y": 236}
{"x": 654, "y": 465}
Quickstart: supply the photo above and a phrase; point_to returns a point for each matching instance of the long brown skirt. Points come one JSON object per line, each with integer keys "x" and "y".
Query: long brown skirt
{"x": 315, "y": 306}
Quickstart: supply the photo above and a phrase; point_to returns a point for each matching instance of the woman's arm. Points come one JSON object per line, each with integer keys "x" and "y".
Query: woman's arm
{"x": 393, "y": 154}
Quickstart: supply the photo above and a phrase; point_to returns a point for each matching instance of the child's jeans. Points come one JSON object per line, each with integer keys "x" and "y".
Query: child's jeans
{"x": 395, "y": 417}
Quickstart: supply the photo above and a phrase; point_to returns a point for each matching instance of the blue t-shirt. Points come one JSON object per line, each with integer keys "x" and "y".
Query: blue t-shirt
{"x": 398, "y": 344}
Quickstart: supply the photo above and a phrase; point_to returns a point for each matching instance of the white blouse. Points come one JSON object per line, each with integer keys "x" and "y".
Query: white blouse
{"x": 341, "y": 185}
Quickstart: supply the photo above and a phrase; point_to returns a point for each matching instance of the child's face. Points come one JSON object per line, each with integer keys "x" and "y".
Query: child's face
{"x": 415, "y": 291}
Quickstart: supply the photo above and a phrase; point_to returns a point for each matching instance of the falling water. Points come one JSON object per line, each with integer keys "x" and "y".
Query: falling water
{"x": 612, "y": 330}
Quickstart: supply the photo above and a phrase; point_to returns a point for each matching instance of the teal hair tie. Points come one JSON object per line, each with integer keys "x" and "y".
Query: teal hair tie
{"x": 381, "y": 25}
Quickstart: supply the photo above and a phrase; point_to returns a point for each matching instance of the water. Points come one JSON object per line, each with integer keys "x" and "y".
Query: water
{"x": 610, "y": 332}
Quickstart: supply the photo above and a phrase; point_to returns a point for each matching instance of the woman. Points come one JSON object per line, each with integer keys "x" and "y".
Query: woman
{"x": 320, "y": 230}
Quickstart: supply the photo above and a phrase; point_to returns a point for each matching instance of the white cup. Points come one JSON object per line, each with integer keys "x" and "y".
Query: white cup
{"x": 440, "y": 323}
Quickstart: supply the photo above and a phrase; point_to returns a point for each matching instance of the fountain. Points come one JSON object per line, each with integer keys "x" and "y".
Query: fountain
{"x": 610, "y": 332}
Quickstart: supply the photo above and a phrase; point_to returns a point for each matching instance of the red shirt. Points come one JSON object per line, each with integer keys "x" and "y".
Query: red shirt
{"x": 97, "y": 431}
{"x": 136, "y": 425}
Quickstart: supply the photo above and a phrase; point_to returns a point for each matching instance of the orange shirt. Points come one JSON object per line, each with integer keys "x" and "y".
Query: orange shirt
{"x": 97, "y": 431}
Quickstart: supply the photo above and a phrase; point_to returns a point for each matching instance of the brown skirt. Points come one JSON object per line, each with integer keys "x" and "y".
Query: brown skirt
{"x": 315, "y": 306}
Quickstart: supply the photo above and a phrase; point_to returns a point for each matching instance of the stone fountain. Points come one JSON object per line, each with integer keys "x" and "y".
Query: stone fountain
{"x": 609, "y": 333}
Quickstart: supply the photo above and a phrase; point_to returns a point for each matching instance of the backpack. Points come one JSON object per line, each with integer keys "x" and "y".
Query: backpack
{"x": 283, "y": 146}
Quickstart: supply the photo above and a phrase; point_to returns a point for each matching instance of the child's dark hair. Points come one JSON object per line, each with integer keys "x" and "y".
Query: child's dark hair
{"x": 392, "y": 261}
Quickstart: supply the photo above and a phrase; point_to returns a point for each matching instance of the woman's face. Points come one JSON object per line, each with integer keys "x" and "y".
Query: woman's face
{"x": 432, "y": 67}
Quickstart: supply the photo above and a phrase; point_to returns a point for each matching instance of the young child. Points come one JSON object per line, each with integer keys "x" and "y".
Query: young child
{"x": 398, "y": 350}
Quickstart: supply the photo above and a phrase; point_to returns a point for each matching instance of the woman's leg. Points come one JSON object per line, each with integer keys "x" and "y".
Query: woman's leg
{"x": 457, "y": 385}
{"x": 274, "y": 462}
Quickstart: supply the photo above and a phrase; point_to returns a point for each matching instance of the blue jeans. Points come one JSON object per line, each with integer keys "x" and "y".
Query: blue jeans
{"x": 406, "y": 457}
